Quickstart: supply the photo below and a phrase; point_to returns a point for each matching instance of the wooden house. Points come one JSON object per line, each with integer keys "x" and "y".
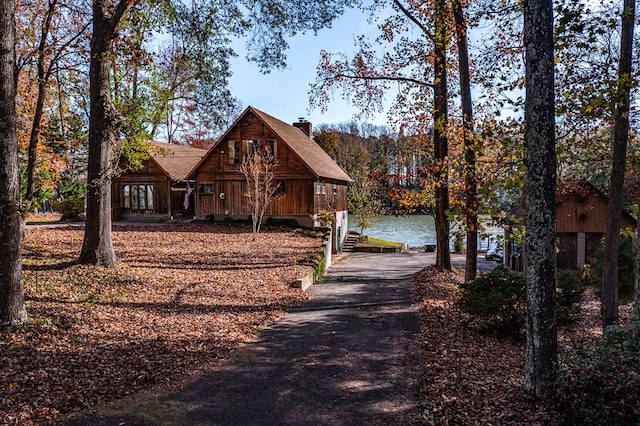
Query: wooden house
{"x": 309, "y": 182}
{"x": 581, "y": 222}
{"x": 156, "y": 191}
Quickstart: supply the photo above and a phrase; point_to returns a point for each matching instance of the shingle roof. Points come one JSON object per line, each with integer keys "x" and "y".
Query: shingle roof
{"x": 176, "y": 160}
{"x": 309, "y": 152}
{"x": 316, "y": 159}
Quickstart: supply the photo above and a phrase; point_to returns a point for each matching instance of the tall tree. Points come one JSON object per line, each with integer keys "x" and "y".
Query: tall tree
{"x": 12, "y": 307}
{"x": 440, "y": 129}
{"x": 417, "y": 67}
{"x": 104, "y": 122}
{"x": 541, "y": 356}
{"x": 54, "y": 41}
{"x": 468, "y": 142}
{"x": 609, "y": 308}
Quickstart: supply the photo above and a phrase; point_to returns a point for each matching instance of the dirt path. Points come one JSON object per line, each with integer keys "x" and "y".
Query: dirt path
{"x": 345, "y": 357}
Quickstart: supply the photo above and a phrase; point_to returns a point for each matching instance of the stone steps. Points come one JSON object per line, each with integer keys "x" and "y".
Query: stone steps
{"x": 350, "y": 241}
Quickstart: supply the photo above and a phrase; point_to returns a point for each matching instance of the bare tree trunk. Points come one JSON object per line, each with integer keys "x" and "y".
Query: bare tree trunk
{"x": 97, "y": 247}
{"x": 258, "y": 170}
{"x": 440, "y": 141}
{"x": 468, "y": 137}
{"x": 12, "y": 307}
{"x": 636, "y": 287}
{"x": 43, "y": 78}
{"x": 541, "y": 356}
{"x": 609, "y": 308}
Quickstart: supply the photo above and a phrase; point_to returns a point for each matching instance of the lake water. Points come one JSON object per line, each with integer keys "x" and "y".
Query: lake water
{"x": 415, "y": 230}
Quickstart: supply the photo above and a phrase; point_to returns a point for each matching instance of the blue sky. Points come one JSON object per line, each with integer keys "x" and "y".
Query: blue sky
{"x": 284, "y": 93}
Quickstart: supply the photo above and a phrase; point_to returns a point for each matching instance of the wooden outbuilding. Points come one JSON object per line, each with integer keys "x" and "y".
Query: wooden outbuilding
{"x": 309, "y": 181}
{"x": 581, "y": 222}
{"x": 156, "y": 191}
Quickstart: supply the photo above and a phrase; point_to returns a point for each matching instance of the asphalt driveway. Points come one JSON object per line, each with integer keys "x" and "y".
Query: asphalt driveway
{"x": 346, "y": 357}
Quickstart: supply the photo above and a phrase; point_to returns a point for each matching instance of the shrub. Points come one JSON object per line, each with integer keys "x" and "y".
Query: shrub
{"x": 626, "y": 268}
{"x": 569, "y": 293}
{"x": 497, "y": 299}
{"x": 71, "y": 208}
{"x": 604, "y": 387}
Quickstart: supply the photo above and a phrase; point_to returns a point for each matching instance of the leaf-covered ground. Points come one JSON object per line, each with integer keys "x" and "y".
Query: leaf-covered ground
{"x": 472, "y": 378}
{"x": 181, "y": 297}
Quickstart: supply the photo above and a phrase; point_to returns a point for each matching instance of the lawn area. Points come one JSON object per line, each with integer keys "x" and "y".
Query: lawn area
{"x": 180, "y": 298}
{"x": 366, "y": 241}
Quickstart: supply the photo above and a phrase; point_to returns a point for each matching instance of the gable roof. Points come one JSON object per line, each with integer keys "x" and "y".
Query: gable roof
{"x": 570, "y": 188}
{"x": 176, "y": 161}
{"x": 309, "y": 152}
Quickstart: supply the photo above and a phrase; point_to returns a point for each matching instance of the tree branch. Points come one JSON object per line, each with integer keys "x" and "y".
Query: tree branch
{"x": 413, "y": 19}
{"x": 386, "y": 78}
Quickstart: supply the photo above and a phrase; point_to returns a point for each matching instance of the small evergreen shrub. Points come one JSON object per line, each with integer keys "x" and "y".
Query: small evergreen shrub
{"x": 570, "y": 290}
{"x": 626, "y": 268}
{"x": 71, "y": 208}
{"x": 497, "y": 299}
{"x": 603, "y": 388}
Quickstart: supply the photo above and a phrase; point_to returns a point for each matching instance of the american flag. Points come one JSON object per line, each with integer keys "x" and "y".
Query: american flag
{"x": 187, "y": 193}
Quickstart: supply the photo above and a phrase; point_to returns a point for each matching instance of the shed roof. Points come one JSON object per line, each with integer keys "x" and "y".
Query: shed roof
{"x": 176, "y": 161}
{"x": 311, "y": 154}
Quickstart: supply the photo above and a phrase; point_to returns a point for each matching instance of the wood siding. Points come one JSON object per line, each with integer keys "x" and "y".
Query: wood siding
{"x": 297, "y": 200}
{"x": 218, "y": 173}
{"x": 586, "y": 214}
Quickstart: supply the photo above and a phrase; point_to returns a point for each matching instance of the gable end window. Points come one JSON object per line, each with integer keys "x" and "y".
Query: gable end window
{"x": 233, "y": 148}
{"x": 268, "y": 147}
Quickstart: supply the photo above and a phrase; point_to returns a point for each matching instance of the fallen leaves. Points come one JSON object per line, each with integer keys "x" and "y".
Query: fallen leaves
{"x": 180, "y": 297}
{"x": 477, "y": 379}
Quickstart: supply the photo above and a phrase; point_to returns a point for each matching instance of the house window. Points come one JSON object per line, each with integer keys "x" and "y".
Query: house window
{"x": 234, "y": 152}
{"x": 271, "y": 149}
{"x": 335, "y": 189}
{"x": 280, "y": 189}
{"x": 268, "y": 147}
{"x": 126, "y": 196}
{"x": 138, "y": 197}
{"x": 206, "y": 188}
{"x": 248, "y": 147}
{"x": 321, "y": 188}
{"x": 150, "y": 197}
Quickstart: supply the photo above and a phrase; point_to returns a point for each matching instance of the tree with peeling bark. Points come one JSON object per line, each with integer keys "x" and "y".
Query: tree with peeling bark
{"x": 541, "y": 355}
{"x": 12, "y": 307}
{"x": 620, "y": 131}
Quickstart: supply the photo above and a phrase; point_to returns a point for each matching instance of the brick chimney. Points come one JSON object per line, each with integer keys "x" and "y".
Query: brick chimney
{"x": 303, "y": 125}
